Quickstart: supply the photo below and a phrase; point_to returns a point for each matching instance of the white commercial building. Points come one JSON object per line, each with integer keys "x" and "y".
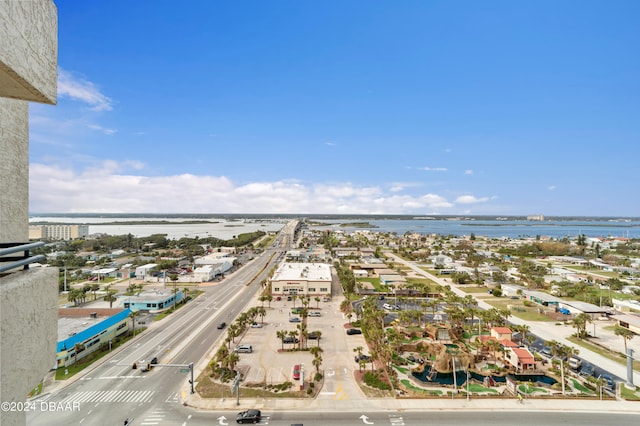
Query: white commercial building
{"x": 302, "y": 279}
{"x": 144, "y": 270}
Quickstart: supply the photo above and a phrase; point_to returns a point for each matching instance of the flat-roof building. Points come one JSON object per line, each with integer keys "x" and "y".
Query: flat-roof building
{"x": 302, "y": 279}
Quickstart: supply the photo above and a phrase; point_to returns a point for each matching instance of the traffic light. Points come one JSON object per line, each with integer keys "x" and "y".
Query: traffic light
{"x": 134, "y": 366}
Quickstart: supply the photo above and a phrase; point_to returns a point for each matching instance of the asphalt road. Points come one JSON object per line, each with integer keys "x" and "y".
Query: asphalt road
{"x": 112, "y": 391}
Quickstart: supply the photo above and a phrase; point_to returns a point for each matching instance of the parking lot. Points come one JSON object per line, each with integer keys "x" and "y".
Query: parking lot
{"x": 270, "y": 364}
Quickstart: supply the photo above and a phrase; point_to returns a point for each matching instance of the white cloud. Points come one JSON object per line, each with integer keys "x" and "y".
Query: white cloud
{"x": 468, "y": 172}
{"x": 470, "y": 199}
{"x": 330, "y": 144}
{"x": 551, "y": 188}
{"x": 434, "y": 169}
{"x": 78, "y": 89}
{"x": 99, "y": 128}
{"x": 106, "y": 187}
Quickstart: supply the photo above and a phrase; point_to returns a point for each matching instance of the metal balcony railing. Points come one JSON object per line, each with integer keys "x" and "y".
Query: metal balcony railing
{"x": 11, "y": 262}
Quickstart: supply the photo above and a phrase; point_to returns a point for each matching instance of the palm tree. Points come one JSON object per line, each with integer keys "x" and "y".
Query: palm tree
{"x": 133, "y": 315}
{"x": 78, "y": 347}
{"x": 281, "y": 335}
{"x": 358, "y": 350}
{"x": 625, "y": 333}
{"x": 317, "y": 299}
{"x": 232, "y": 360}
{"x": 318, "y": 334}
{"x": 261, "y": 312}
{"x": 523, "y": 329}
{"x": 110, "y": 297}
{"x": 294, "y": 334}
{"x": 262, "y": 299}
{"x": 580, "y": 324}
{"x": 494, "y": 345}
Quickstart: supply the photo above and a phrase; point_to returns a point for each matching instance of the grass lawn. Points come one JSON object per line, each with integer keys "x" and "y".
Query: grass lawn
{"x": 403, "y": 370}
{"x": 473, "y": 289}
{"x": 579, "y": 386}
{"x": 416, "y": 389}
{"x": 531, "y": 389}
{"x": 527, "y": 313}
{"x": 476, "y": 388}
{"x": 630, "y": 394}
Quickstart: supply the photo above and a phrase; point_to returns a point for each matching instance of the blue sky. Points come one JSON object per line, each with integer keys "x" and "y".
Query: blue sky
{"x": 376, "y": 107}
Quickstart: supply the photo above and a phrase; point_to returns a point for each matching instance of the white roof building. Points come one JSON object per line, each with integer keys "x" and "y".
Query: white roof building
{"x": 302, "y": 279}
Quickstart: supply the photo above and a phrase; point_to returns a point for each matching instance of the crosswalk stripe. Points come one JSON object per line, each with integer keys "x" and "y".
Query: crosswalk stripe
{"x": 133, "y": 396}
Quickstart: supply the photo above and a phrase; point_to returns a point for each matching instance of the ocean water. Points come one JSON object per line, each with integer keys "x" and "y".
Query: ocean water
{"x": 498, "y": 228}
{"x": 225, "y": 228}
{"x": 218, "y": 228}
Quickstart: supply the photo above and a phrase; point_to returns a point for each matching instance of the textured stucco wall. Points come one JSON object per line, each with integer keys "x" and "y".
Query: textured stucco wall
{"x": 28, "y": 332}
{"x": 29, "y": 50}
{"x": 14, "y": 171}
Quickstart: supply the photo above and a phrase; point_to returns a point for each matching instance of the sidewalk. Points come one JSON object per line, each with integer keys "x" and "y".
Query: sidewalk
{"x": 427, "y": 404}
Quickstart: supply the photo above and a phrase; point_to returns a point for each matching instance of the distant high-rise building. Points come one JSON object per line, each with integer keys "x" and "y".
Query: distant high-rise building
{"x": 536, "y": 217}
{"x": 58, "y": 232}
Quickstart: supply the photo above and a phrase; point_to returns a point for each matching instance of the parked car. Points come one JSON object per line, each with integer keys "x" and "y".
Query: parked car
{"x": 296, "y": 372}
{"x": 362, "y": 357}
{"x": 575, "y": 363}
{"x": 256, "y": 325}
{"x": 354, "y": 331}
{"x": 289, "y": 298}
{"x": 315, "y": 314}
{"x": 296, "y": 311}
{"x": 313, "y": 336}
{"x": 244, "y": 349}
{"x": 389, "y": 307}
{"x": 249, "y": 416}
{"x": 290, "y": 339}
{"x": 222, "y": 325}
{"x": 278, "y": 298}
{"x": 295, "y": 319}
{"x": 608, "y": 382}
{"x": 380, "y": 297}
{"x": 154, "y": 361}
{"x": 587, "y": 370}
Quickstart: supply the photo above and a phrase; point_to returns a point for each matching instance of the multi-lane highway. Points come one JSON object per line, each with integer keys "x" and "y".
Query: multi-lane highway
{"x": 112, "y": 391}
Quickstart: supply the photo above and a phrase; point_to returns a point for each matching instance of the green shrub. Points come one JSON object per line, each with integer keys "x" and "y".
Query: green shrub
{"x": 373, "y": 379}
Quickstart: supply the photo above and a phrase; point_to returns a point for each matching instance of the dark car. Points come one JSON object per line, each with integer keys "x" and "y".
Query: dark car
{"x": 154, "y": 360}
{"x": 249, "y": 416}
{"x": 608, "y": 382}
{"x": 290, "y": 339}
{"x": 362, "y": 357}
{"x": 222, "y": 325}
{"x": 313, "y": 336}
{"x": 587, "y": 370}
{"x": 354, "y": 331}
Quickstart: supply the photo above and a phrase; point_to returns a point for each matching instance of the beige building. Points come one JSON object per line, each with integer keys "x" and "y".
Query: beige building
{"x": 58, "y": 232}
{"x": 313, "y": 279}
{"x": 28, "y": 73}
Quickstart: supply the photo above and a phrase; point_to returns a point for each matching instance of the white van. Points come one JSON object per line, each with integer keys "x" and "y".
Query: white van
{"x": 389, "y": 307}
{"x": 575, "y": 363}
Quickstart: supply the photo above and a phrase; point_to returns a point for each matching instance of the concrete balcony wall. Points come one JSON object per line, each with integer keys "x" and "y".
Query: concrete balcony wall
{"x": 28, "y": 332}
{"x": 29, "y": 50}
{"x": 14, "y": 171}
